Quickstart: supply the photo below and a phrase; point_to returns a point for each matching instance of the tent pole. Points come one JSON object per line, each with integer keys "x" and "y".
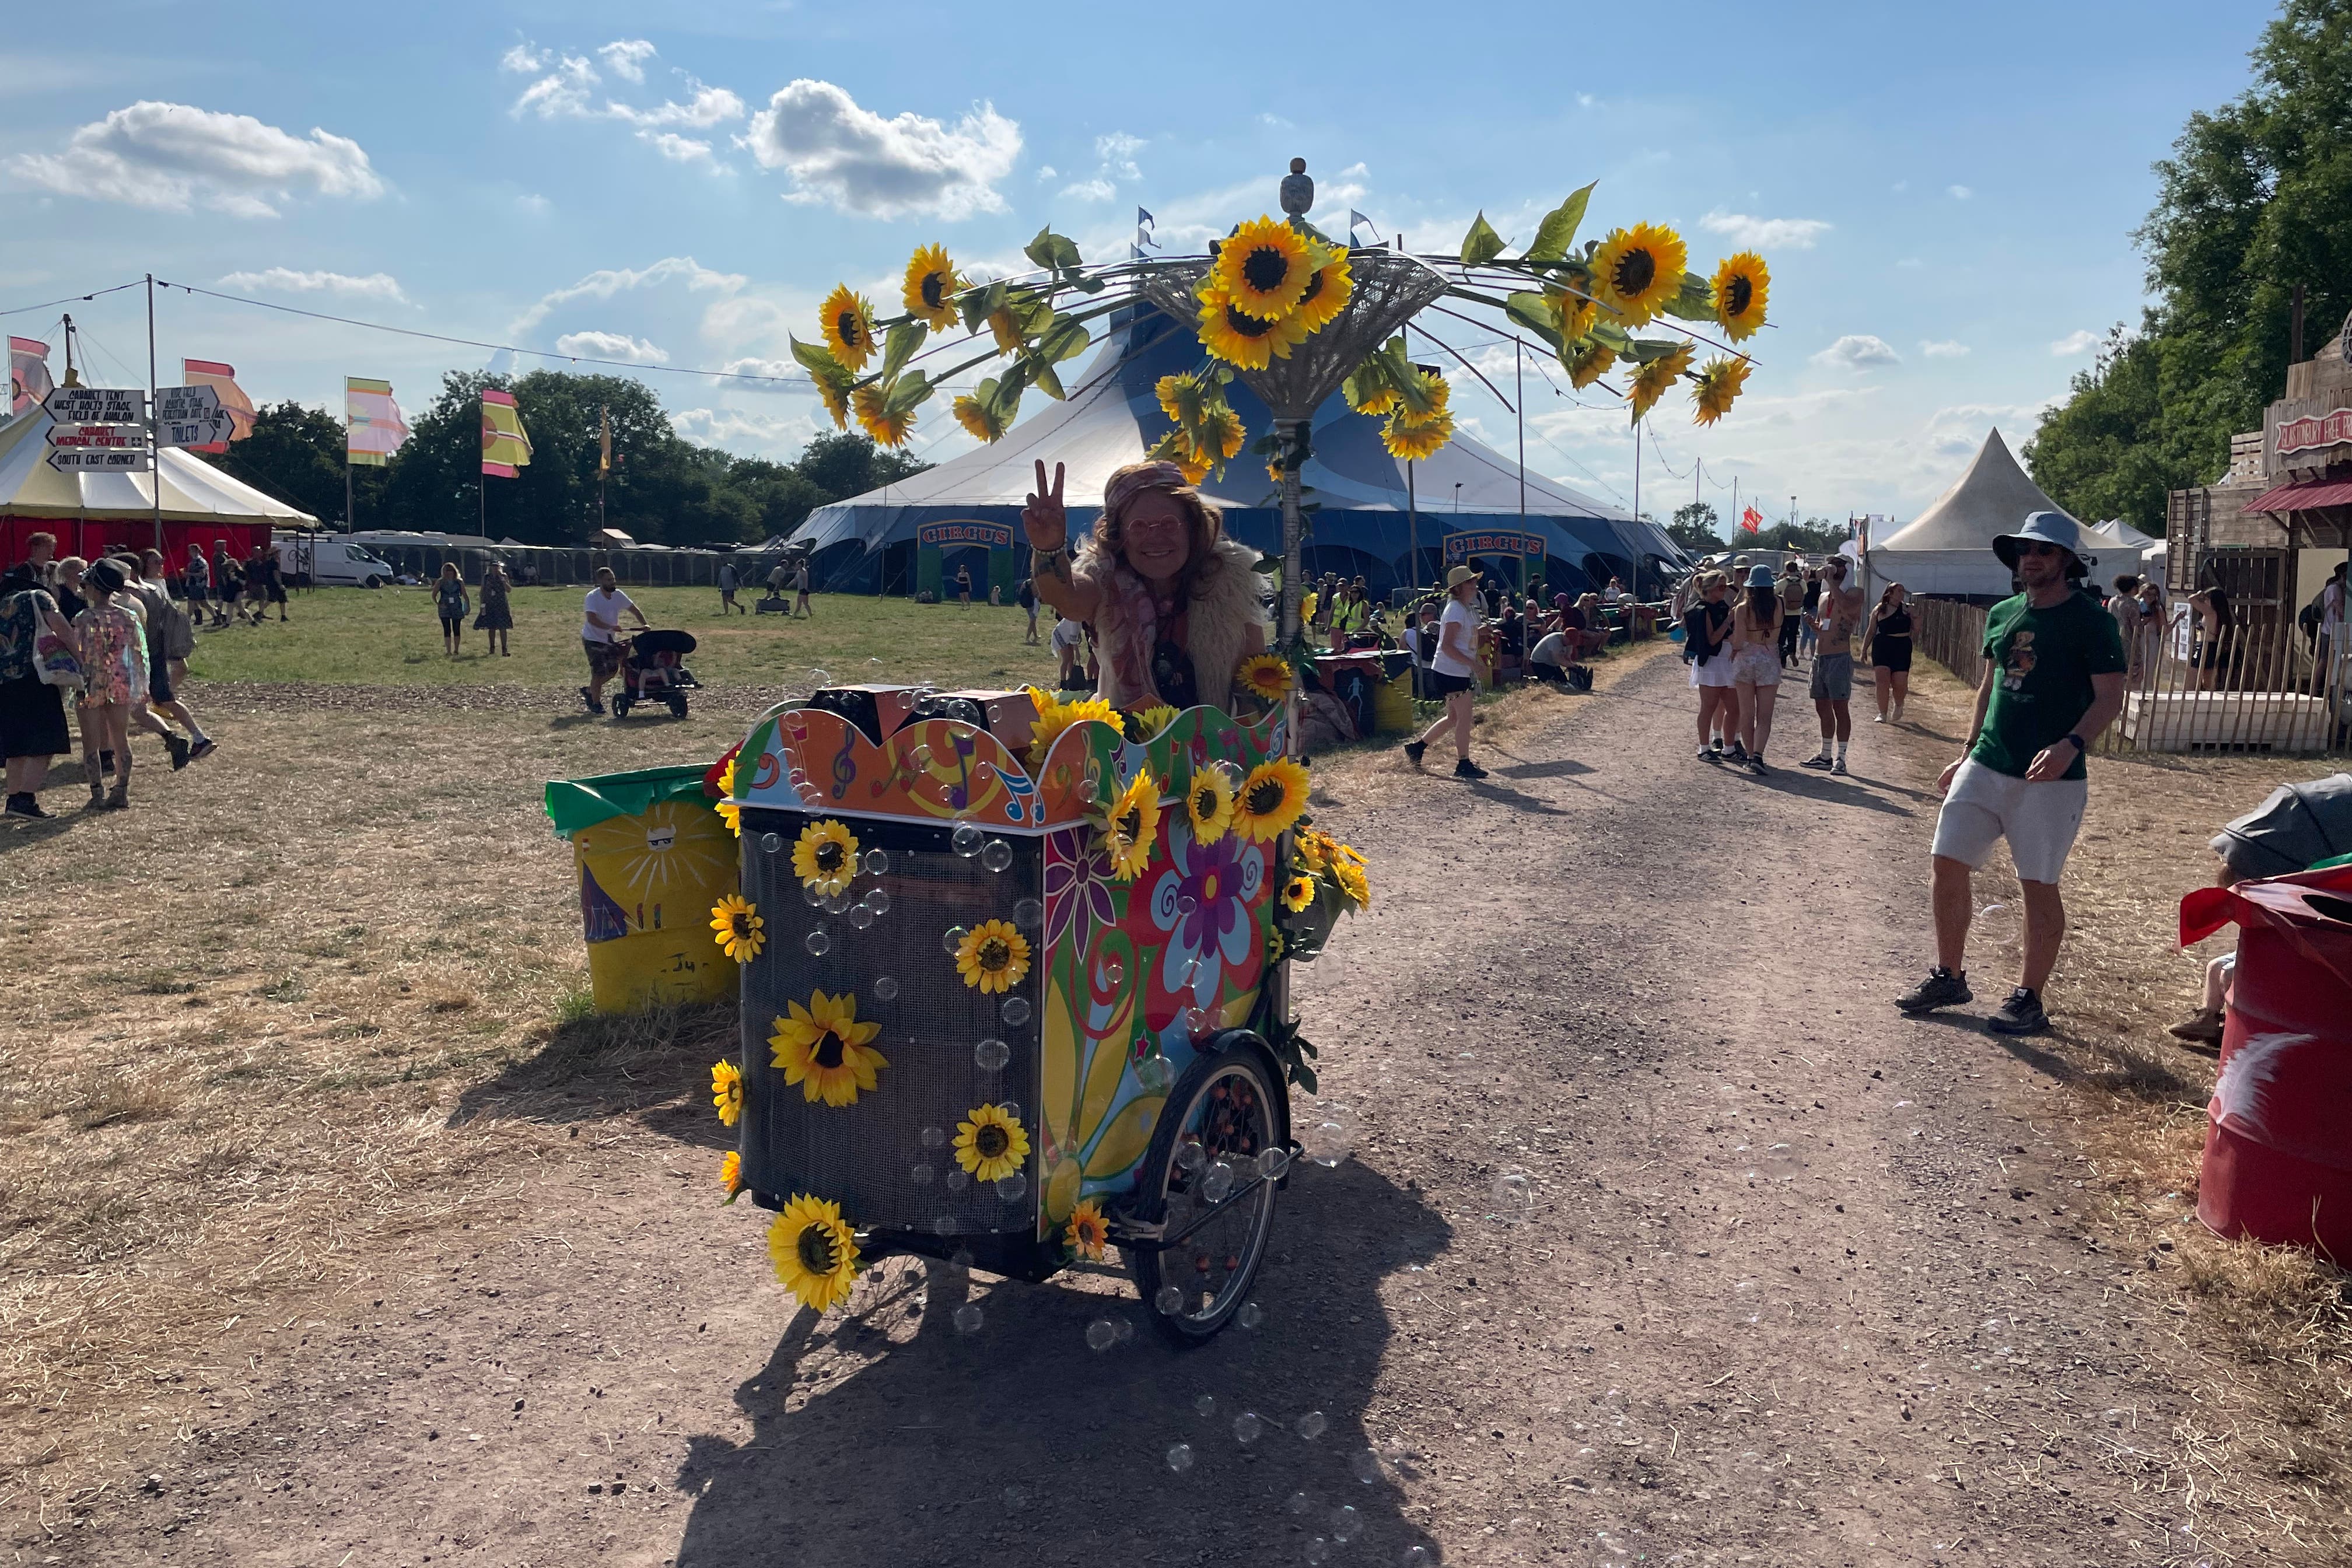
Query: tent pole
{"x": 155, "y": 443}
{"x": 1411, "y": 533}
{"x": 1519, "y": 397}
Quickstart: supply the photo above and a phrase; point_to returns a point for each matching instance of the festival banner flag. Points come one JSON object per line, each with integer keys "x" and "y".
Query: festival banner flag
{"x": 1751, "y": 520}
{"x": 222, "y": 379}
{"x": 28, "y": 373}
{"x": 604, "y": 440}
{"x": 373, "y": 425}
{"x": 506, "y": 445}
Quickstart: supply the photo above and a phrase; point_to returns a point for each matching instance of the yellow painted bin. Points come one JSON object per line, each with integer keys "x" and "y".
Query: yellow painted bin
{"x": 650, "y": 856}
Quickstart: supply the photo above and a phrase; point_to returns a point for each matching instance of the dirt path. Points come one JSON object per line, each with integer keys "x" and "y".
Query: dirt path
{"x": 1796, "y": 1280}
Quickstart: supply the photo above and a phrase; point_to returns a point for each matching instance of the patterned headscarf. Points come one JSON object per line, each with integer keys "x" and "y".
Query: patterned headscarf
{"x": 1132, "y": 481}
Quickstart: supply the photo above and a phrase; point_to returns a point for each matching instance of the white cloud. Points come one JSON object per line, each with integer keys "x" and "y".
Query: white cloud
{"x": 563, "y": 92}
{"x": 776, "y": 369}
{"x": 761, "y": 434}
{"x": 707, "y": 107}
{"x": 604, "y": 284}
{"x": 171, "y": 157}
{"x": 1586, "y": 101}
{"x": 626, "y": 58}
{"x": 1858, "y": 351}
{"x": 1117, "y": 150}
{"x": 678, "y": 149}
{"x": 374, "y": 286}
{"x": 853, "y": 159}
{"x": 1959, "y": 193}
{"x": 522, "y": 59}
{"x": 1091, "y": 190}
{"x": 534, "y": 204}
{"x": 609, "y": 346}
{"x": 2075, "y": 342}
{"x": 1765, "y": 233}
{"x": 1950, "y": 349}
{"x": 1047, "y": 171}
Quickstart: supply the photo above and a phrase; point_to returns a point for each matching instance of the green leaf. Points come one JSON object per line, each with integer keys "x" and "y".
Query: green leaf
{"x": 901, "y": 345}
{"x": 1482, "y": 244}
{"x": 1610, "y": 335}
{"x": 1085, "y": 283}
{"x": 1643, "y": 350}
{"x": 1063, "y": 338}
{"x": 1534, "y": 313}
{"x": 817, "y": 360}
{"x": 1695, "y": 302}
{"x": 979, "y": 304}
{"x": 1558, "y": 230}
{"x": 910, "y": 391}
{"x": 1042, "y": 375}
{"x": 1051, "y": 251}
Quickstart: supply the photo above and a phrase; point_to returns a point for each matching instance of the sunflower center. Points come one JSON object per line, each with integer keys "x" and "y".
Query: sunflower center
{"x": 1245, "y": 326}
{"x": 742, "y": 926}
{"x": 1204, "y": 803}
{"x": 816, "y": 1249}
{"x": 847, "y": 326}
{"x": 990, "y": 1142}
{"x": 1314, "y": 286}
{"x": 994, "y": 954}
{"x": 828, "y": 857}
{"x": 934, "y": 289}
{"x": 1635, "y": 270}
{"x": 1266, "y": 270}
{"x": 828, "y": 1050}
{"x": 1130, "y": 826}
{"x": 1263, "y": 799}
{"x": 1736, "y": 293}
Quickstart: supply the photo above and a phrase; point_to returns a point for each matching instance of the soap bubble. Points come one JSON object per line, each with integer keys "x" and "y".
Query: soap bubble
{"x": 943, "y": 1224}
{"x": 1014, "y": 1497}
{"x": 921, "y": 756}
{"x": 1366, "y": 1464}
{"x": 771, "y": 842}
{"x": 1311, "y": 1426}
{"x": 997, "y": 856}
{"x": 966, "y": 840}
{"x": 961, "y": 1264}
{"x": 1319, "y": 1550}
{"x": 818, "y": 943}
{"x": 1101, "y": 1334}
{"x": 1300, "y": 1502}
{"x": 934, "y": 1137}
{"x": 1272, "y": 1162}
{"x": 1011, "y": 1185}
{"x": 885, "y": 988}
{"x": 1154, "y": 1075}
{"x": 1191, "y": 1156}
{"x": 1168, "y": 1300}
{"x": 879, "y": 901}
{"x": 1028, "y": 914}
{"x": 967, "y": 1318}
{"x": 818, "y": 676}
{"x": 1217, "y": 1182}
{"x": 1113, "y": 972}
{"x": 952, "y": 937}
{"x": 860, "y": 916}
{"x": 991, "y": 1054}
{"x": 1126, "y": 1330}
{"x": 1246, "y": 1427}
{"x": 959, "y": 1179}
{"x": 1251, "y": 1315}
{"x": 1345, "y": 1522}
{"x": 1010, "y": 1108}
{"x": 1180, "y": 1458}
{"x": 812, "y": 895}
{"x": 1089, "y": 791}
{"x": 877, "y": 862}
{"x": 797, "y": 723}
{"x": 1185, "y": 904}
{"x": 920, "y": 1175}
{"x": 1327, "y": 1135}
{"x": 1510, "y": 1194}
{"x": 835, "y": 902}
{"x": 1015, "y": 1011}
{"x": 1196, "y": 1022}
{"x": 1206, "y": 1405}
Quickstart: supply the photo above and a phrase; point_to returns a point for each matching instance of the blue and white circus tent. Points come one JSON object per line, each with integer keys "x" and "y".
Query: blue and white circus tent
{"x": 869, "y": 543}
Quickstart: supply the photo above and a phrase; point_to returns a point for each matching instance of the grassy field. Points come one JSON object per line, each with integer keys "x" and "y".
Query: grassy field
{"x": 354, "y": 637}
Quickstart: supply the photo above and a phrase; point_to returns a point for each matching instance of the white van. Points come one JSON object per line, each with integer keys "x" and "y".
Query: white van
{"x": 331, "y": 562}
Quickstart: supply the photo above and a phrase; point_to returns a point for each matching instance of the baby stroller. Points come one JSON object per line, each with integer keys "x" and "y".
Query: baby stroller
{"x": 654, "y": 672}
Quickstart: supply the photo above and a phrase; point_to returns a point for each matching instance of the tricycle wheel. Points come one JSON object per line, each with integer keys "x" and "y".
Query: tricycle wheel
{"x": 1203, "y": 1161}
{"x": 620, "y": 707}
{"x": 678, "y": 707}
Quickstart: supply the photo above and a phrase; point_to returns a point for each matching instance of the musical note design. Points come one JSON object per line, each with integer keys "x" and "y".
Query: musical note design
{"x": 844, "y": 765}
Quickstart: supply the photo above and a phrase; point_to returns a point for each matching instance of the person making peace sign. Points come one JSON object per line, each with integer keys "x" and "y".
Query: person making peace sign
{"x": 1173, "y": 603}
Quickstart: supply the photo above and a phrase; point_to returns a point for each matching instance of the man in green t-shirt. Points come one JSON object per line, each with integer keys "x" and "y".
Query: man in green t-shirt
{"x": 2053, "y": 681}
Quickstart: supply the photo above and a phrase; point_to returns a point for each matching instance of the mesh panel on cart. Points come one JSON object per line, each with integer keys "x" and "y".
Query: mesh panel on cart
{"x": 863, "y": 1156}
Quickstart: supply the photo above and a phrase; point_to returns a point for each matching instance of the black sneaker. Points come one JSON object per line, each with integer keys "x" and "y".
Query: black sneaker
{"x": 1412, "y": 749}
{"x": 1467, "y": 769}
{"x": 1709, "y": 754}
{"x": 590, "y": 698}
{"x": 179, "y": 750}
{"x": 1756, "y": 766}
{"x": 28, "y": 806}
{"x": 1942, "y": 988}
{"x": 2021, "y": 1015}
{"x": 1815, "y": 762}
{"x": 1736, "y": 752}
{"x": 203, "y": 748}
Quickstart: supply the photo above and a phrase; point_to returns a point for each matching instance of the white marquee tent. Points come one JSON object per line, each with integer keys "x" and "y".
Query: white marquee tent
{"x": 1947, "y": 549}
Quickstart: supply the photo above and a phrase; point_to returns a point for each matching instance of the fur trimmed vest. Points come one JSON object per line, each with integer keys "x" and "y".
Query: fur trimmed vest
{"x": 1216, "y": 626}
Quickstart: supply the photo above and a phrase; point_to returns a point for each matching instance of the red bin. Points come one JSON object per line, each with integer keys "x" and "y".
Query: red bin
{"x": 2278, "y": 1139}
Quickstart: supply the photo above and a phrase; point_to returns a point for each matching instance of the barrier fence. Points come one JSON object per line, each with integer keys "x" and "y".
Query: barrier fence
{"x": 2266, "y": 687}
{"x": 553, "y": 566}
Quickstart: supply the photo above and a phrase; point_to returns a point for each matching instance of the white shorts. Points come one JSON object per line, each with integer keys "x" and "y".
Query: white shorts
{"x": 2040, "y": 820}
{"x": 1715, "y": 672}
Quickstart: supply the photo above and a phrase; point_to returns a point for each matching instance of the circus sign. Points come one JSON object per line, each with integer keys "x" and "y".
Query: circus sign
{"x": 965, "y": 531}
{"x": 2318, "y": 430}
{"x": 1461, "y": 547}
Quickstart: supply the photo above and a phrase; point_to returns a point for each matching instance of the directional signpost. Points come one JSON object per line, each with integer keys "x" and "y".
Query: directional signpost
{"x": 102, "y": 460}
{"x": 190, "y": 416}
{"x": 97, "y": 406}
{"x": 98, "y": 429}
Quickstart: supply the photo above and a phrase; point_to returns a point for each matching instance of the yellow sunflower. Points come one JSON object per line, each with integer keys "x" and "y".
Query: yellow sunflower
{"x": 1264, "y": 268}
{"x": 1328, "y": 290}
{"x": 1638, "y": 270}
{"x": 727, "y": 1091}
{"x": 1311, "y": 850}
{"x": 992, "y": 956}
{"x": 931, "y": 283}
{"x": 1266, "y": 676}
{"x": 1180, "y": 397}
{"x": 990, "y": 1142}
{"x": 1719, "y": 382}
{"x": 1208, "y": 805}
{"x": 739, "y": 930}
{"x": 1156, "y": 718}
{"x": 1590, "y": 364}
{"x": 1742, "y": 282}
{"x": 826, "y": 857}
{"x": 1054, "y": 717}
{"x": 1272, "y": 798}
{"x": 1194, "y": 469}
{"x": 1297, "y": 892}
{"x": 889, "y": 426}
{"x": 1219, "y": 435}
{"x": 1651, "y": 381}
{"x": 814, "y": 1252}
{"x": 1005, "y": 327}
{"x": 1245, "y": 341}
{"x": 731, "y": 785}
{"x": 835, "y": 394}
{"x": 1375, "y": 403}
{"x": 731, "y": 1176}
{"x": 1576, "y": 315}
{"x": 1441, "y": 398}
{"x": 822, "y": 1048}
{"x": 1087, "y": 1233}
{"x": 977, "y": 417}
{"x": 1416, "y": 441}
{"x": 1134, "y": 823}
{"x": 849, "y": 328}
{"x": 1352, "y": 882}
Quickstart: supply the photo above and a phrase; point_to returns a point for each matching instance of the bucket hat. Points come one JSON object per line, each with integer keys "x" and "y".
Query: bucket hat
{"x": 2044, "y": 528}
{"x": 1761, "y": 577}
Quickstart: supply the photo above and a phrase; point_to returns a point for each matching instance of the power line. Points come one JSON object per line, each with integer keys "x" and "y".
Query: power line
{"x": 73, "y": 299}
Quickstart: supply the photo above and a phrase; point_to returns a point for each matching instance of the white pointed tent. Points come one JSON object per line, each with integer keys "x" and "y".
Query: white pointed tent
{"x": 93, "y": 511}
{"x": 1947, "y": 549}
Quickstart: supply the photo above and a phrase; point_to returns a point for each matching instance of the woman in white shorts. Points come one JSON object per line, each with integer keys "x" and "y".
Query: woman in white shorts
{"x": 1755, "y": 662}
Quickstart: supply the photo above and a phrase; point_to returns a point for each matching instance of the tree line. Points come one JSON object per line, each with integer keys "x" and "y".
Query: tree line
{"x": 2255, "y": 199}
{"x": 1697, "y": 528}
{"x": 663, "y": 488}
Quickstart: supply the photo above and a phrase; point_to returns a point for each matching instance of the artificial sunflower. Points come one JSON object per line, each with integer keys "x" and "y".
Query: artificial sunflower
{"x": 1589, "y": 364}
{"x": 835, "y": 392}
{"x": 977, "y": 417}
{"x": 1311, "y": 850}
{"x": 1297, "y": 892}
{"x": 816, "y": 1253}
{"x": 1195, "y": 467}
{"x": 731, "y": 1176}
{"x": 1208, "y": 805}
{"x": 729, "y": 786}
{"x": 1719, "y": 382}
{"x": 1440, "y": 393}
{"x": 739, "y": 930}
{"x": 992, "y": 956}
{"x": 1266, "y": 676}
{"x": 1329, "y": 287}
{"x": 1377, "y": 402}
{"x": 1742, "y": 282}
{"x": 1353, "y": 883}
{"x": 826, "y": 857}
{"x": 1638, "y": 270}
{"x": 849, "y": 328}
{"x": 727, "y": 1091}
{"x": 931, "y": 283}
{"x": 990, "y": 1142}
{"x": 1576, "y": 315}
{"x": 1150, "y": 721}
{"x": 1413, "y": 442}
{"x": 822, "y": 1048}
{"x": 1272, "y": 798}
{"x": 1054, "y": 717}
{"x": 1264, "y": 268}
{"x": 1005, "y": 328}
{"x": 1245, "y": 341}
{"x": 889, "y": 426}
{"x": 1651, "y": 381}
{"x": 1087, "y": 1233}
{"x": 1218, "y": 433}
{"x": 1134, "y": 823}
{"x": 1180, "y": 397}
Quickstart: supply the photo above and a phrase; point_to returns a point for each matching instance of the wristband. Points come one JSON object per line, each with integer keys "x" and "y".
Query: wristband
{"x": 2080, "y": 744}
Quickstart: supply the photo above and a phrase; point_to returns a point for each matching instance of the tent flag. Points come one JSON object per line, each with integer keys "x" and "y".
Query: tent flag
{"x": 505, "y": 446}
{"x": 222, "y": 379}
{"x": 28, "y": 373}
{"x": 1750, "y": 520}
{"x": 373, "y": 426}
{"x": 604, "y": 440}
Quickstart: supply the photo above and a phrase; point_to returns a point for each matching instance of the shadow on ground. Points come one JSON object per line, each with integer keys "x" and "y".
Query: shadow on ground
{"x": 885, "y": 1435}
{"x": 656, "y": 1064}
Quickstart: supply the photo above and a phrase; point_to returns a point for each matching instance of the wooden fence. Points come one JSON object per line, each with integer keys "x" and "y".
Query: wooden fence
{"x": 2263, "y": 690}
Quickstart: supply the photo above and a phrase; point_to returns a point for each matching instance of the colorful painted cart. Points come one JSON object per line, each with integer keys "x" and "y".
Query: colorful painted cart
{"x": 1013, "y": 1004}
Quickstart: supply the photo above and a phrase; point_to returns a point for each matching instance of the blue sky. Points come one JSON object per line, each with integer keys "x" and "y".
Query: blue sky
{"x": 1946, "y": 196}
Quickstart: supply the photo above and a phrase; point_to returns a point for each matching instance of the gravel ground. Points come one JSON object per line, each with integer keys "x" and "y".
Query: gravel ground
{"x": 1666, "y": 1240}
